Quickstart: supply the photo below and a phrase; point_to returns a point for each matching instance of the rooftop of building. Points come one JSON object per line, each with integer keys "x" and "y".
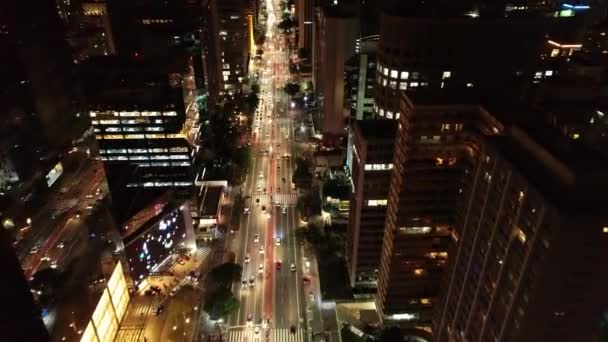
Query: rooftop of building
{"x": 210, "y": 198}
{"x": 565, "y": 171}
{"x": 377, "y": 129}
{"x": 470, "y": 8}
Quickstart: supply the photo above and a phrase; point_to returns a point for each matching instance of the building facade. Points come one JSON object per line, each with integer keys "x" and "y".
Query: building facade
{"x": 360, "y": 79}
{"x": 436, "y": 148}
{"x": 461, "y": 49}
{"x": 372, "y": 164}
{"x": 335, "y": 35}
{"x": 530, "y": 236}
{"x": 304, "y": 13}
{"x": 139, "y": 124}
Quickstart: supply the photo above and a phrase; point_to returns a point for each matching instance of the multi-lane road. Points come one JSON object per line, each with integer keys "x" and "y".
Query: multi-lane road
{"x": 272, "y": 296}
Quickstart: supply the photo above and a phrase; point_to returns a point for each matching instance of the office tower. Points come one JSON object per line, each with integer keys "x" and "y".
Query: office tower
{"x": 450, "y": 45}
{"x": 137, "y": 110}
{"x": 372, "y": 164}
{"x": 304, "y": 14}
{"x": 235, "y": 43}
{"x": 531, "y": 236}
{"x": 360, "y": 78}
{"x": 155, "y": 28}
{"x": 210, "y": 51}
{"x": 89, "y": 30}
{"x": 336, "y": 31}
{"x": 435, "y": 149}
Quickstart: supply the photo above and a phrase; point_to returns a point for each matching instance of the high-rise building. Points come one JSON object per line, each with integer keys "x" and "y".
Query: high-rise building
{"x": 304, "y": 14}
{"x": 531, "y": 235}
{"x": 372, "y": 164}
{"x": 335, "y": 33}
{"x": 360, "y": 79}
{"x": 137, "y": 110}
{"x": 89, "y": 30}
{"x": 435, "y": 149}
{"x": 234, "y": 42}
{"x": 151, "y": 28}
{"x": 450, "y": 45}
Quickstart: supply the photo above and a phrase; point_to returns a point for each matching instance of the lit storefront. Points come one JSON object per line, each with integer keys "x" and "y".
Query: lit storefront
{"x": 110, "y": 309}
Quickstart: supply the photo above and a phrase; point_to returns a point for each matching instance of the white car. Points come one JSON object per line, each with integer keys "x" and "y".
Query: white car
{"x": 251, "y": 281}
{"x": 261, "y": 249}
{"x": 278, "y": 241}
{"x": 261, "y": 269}
{"x": 247, "y": 259}
{"x": 256, "y": 238}
{"x": 284, "y": 210}
{"x": 256, "y": 330}
{"x": 293, "y": 267}
{"x": 244, "y": 283}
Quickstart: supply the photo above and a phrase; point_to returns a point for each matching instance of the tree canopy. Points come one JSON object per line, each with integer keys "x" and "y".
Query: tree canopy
{"x": 292, "y": 88}
{"x": 226, "y": 273}
{"x": 221, "y": 303}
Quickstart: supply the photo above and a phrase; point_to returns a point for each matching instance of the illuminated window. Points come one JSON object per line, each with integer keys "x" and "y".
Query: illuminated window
{"x": 381, "y": 112}
{"x": 92, "y": 114}
{"x": 445, "y": 127}
{"x": 414, "y": 84}
{"x": 403, "y": 86}
{"x": 405, "y": 75}
{"x": 469, "y": 85}
{"x": 226, "y": 72}
{"x": 389, "y": 114}
{"x": 172, "y": 113}
{"x": 521, "y": 236}
{"x": 397, "y": 116}
{"x": 394, "y": 73}
{"x": 418, "y": 271}
{"x": 549, "y": 73}
{"x": 554, "y": 52}
{"x": 415, "y": 230}
{"x": 94, "y": 122}
{"x": 377, "y": 203}
{"x": 415, "y": 75}
{"x": 385, "y": 71}
{"x": 425, "y": 301}
{"x": 155, "y": 129}
{"x": 225, "y": 78}
{"x": 393, "y": 84}
{"x": 538, "y": 75}
{"x": 446, "y": 75}
{"x": 150, "y": 113}
{"x": 384, "y": 82}
{"x": 109, "y": 122}
{"x": 134, "y": 136}
{"x": 575, "y": 136}
{"x": 223, "y": 33}
{"x": 368, "y": 167}
{"x": 128, "y": 114}
{"x": 137, "y": 150}
{"x": 605, "y": 230}
{"x": 458, "y": 127}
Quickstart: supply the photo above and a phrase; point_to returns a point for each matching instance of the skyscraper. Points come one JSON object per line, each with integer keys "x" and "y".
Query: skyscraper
{"x": 531, "y": 235}
{"x": 336, "y": 31}
{"x": 137, "y": 109}
{"x": 372, "y": 164}
{"x": 435, "y": 150}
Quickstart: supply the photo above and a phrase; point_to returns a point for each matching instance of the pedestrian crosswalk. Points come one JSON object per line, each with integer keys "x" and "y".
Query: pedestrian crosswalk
{"x": 275, "y": 335}
{"x": 282, "y": 199}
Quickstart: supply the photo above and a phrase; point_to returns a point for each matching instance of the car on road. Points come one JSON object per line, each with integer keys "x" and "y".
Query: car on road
{"x": 60, "y": 245}
{"x": 256, "y": 238}
{"x": 278, "y": 241}
{"x": 261, "y": 269}
{"x": 244, "y": 283}
{"x": 261, "y": 249}
{"x": 174, "y": 291}
{"x": 293, "y": 267}
{"x": 159, "y": 309}
{"x": 256, "y": 330}
{"x": 292, "y": 329}
{"x": 249, "y": 319}
{"x": 278, "y": 265}
{"x": 293, "y": 186}
{"x": 246, "y": 210}
{"x": 263, "y": 208}
{"x": 251, "y": 281}
{"x": 306, "y": 281}
{"x": 284, "y": 210}
{"x": 247, "y": 259}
